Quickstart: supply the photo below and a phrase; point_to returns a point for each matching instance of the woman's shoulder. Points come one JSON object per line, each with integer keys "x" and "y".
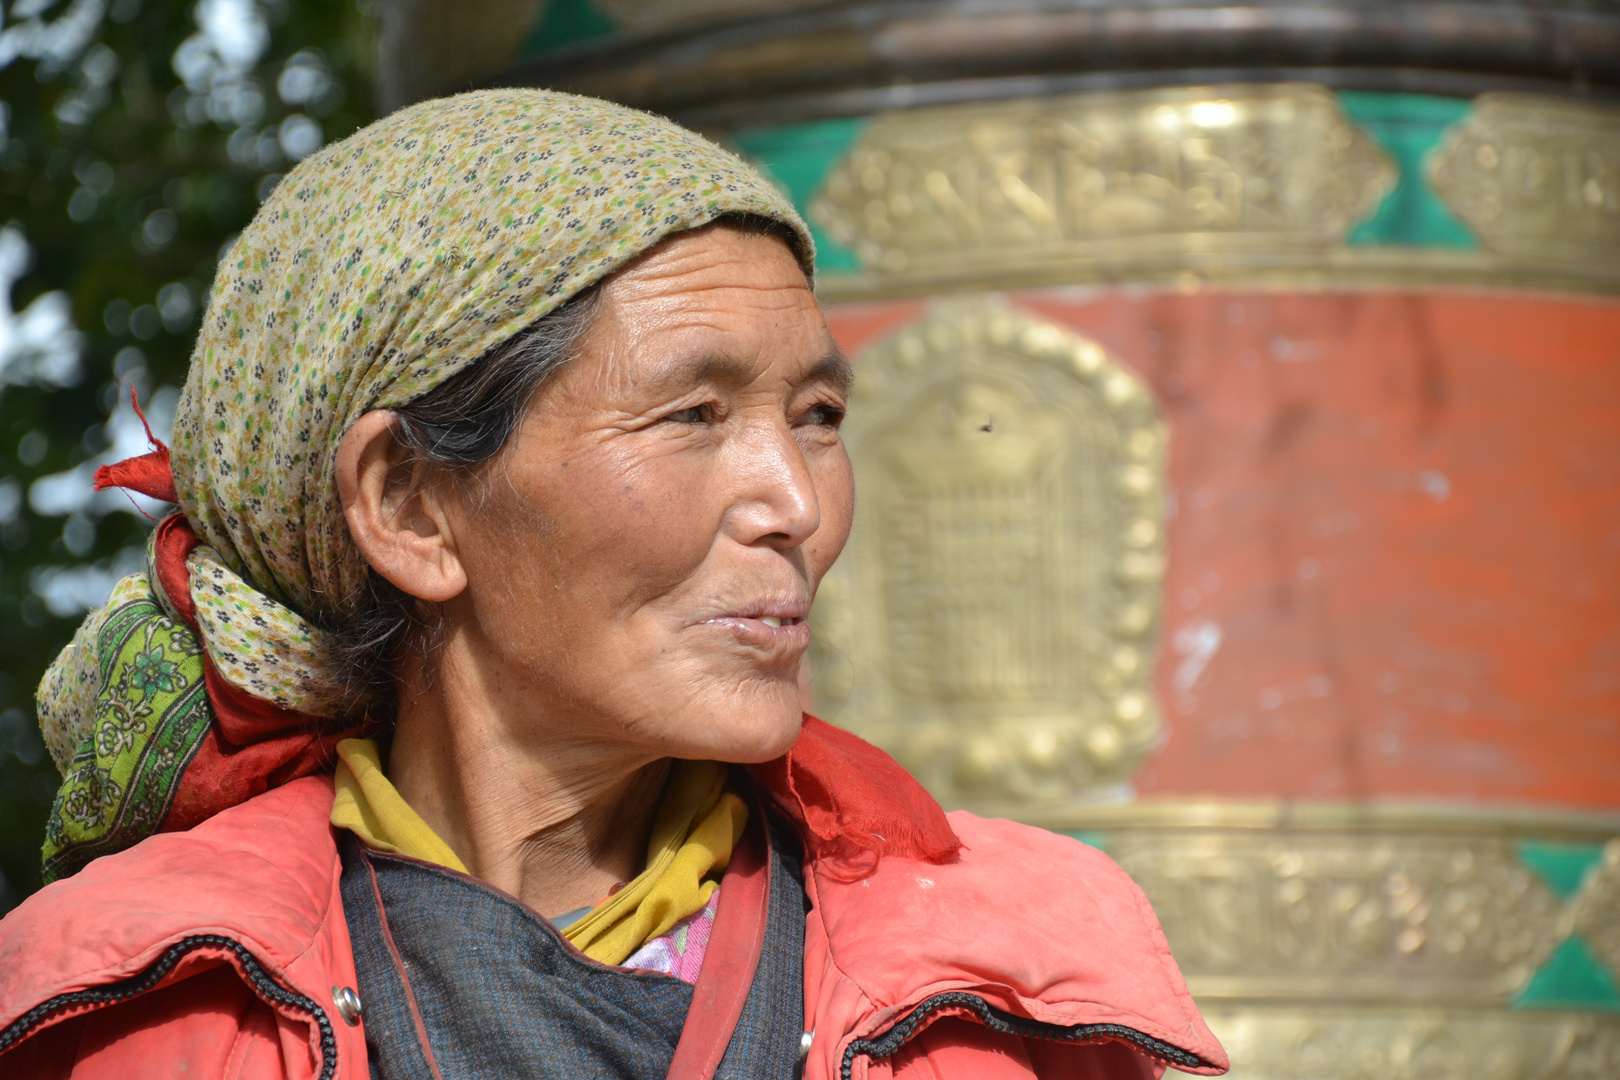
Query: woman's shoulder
{"x": 1026, "y": 925}
{"x": 1010, "y": 885}
{"x": 246, "y": 903}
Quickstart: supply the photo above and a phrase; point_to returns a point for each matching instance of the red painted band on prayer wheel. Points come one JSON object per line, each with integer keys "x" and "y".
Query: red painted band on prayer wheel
{"x": 1400, "y": 514}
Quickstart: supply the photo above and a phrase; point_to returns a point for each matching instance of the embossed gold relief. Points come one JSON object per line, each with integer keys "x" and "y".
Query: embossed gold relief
{"x": 1536, "y": 177}
{"x": 1369, "y": 943}
{"x": 1346, "y": 917}
{"x": 992, "y": 620}
{"x": 1356, "y": 904}
{"x": 1105, "y": 175}
{"x": 1281, "y": 1043}
{"x": 1597, "y": 909}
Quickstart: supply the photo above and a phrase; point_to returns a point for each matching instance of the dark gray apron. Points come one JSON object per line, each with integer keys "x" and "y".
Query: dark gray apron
{"x": 459, "y": 980}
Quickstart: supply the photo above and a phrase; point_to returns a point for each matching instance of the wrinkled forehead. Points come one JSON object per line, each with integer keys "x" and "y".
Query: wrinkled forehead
{"x": 715, "y": 305}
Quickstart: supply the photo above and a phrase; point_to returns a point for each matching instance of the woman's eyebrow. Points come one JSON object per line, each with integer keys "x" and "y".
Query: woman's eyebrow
{"x": 833, "y": 368}
{"x": 713, "y": 368}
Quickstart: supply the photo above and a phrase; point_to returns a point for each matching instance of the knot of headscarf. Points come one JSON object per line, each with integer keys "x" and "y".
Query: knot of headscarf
{"x": 378, "y": 268}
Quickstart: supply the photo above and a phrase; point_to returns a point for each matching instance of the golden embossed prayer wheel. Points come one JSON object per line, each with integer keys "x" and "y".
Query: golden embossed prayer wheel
{"x": 1238, "y": 438}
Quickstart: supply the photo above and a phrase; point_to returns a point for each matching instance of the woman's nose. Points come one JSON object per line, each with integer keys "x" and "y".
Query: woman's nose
{"x": 775, "y": 501}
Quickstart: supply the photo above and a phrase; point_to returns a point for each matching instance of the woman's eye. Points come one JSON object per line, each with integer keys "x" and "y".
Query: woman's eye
{"x": 695, "y": 415}
{"x": 824, "y": 416}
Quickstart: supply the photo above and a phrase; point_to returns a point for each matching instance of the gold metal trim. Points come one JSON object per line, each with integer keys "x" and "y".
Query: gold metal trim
{"x": 1396, "y": 818}
{"x": 1001, "y": 586}
{"x": 1343, "y": 905}
{"x": 1346, "y": 917}
{"x": 1110, "y": 178}
{"x": 1338, "y": 269}
{"x": 1091, "y": 189}
{"x": 1405, "y": 1043}
{"x": 1536, "y": 177}
{"x": 1596, "y": 911}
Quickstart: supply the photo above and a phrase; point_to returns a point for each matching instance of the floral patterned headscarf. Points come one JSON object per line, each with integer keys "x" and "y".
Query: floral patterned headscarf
{"x": 378, "y": 268}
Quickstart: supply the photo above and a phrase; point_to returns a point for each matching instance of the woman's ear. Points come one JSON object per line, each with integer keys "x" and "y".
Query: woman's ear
{"x": 396, "y": 515}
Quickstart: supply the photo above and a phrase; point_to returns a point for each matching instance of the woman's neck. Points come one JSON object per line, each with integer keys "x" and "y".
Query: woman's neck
{"x": 554, "y": 821}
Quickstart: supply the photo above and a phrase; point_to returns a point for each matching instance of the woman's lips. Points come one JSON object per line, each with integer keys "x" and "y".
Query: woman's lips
{"x": 768, "y": 632}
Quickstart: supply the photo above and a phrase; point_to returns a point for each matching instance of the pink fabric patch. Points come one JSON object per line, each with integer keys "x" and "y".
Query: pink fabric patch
{"x": 679, "y": 952}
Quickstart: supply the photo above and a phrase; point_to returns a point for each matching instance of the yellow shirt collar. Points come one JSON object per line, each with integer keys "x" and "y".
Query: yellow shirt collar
{"x": 697, "y": 826}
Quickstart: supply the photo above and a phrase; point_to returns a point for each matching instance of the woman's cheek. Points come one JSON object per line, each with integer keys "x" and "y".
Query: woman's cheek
{"x": 835, "y": 490}
{"x": 654, "y": 528}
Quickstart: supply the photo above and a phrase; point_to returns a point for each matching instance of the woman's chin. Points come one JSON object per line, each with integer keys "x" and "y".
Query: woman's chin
{"x": 744, "y": 732}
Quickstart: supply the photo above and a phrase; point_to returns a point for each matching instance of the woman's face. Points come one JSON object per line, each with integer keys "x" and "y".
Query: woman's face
{"x": 641, "y": 558}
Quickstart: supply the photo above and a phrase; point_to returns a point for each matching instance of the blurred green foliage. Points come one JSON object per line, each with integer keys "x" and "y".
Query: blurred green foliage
{"x": 138, "y": 138}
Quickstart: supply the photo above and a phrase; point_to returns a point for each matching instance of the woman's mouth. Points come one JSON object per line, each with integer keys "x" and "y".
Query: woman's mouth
{"x": 771, "y": 631}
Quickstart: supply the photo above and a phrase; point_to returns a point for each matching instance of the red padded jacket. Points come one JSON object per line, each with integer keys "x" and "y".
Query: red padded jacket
{"x": 216, "y": 952}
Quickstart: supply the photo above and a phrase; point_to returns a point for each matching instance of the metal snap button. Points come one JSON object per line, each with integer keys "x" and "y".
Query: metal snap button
{"x": 348, "y": 1004}
{"x": 805, "y": 1040}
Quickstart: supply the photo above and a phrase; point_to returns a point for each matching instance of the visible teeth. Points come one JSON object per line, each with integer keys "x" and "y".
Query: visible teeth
{"x": 770, "y": 620}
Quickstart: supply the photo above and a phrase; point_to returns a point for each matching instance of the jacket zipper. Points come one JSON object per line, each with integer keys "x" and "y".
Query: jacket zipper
{"x": 888, "y": 1043}
{"x": 125, "y": 989}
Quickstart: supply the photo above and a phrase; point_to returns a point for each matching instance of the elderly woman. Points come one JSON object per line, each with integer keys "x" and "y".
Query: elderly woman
{"x": 454, "y": 728}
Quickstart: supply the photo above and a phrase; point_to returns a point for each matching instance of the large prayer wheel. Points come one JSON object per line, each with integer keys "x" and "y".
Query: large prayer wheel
{"x": 1238, "y": 445}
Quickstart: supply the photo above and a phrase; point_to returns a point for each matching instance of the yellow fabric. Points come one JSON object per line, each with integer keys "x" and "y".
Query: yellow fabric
{"x": 369, "y": 806}
{"x": 698, "y": 824}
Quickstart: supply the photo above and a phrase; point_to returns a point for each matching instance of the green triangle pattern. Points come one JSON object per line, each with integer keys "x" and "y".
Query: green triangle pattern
{"x": 1409, "y": 127}
{"x": 1090, "y": 838}
{"x": 798, "y": 158}
{"x": 1572, "y": 978}
{"x": 1562, "y": 866}
{"x": 566, "y": 22}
